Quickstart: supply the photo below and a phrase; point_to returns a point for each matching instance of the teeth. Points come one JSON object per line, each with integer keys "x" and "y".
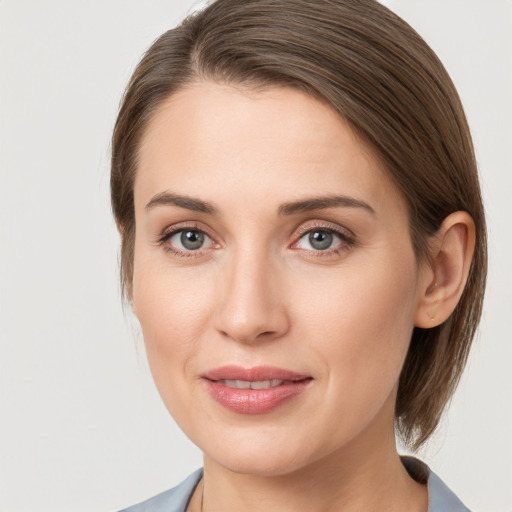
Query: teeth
{"x": 256, "y": 384}
{"x": 260, "y": 384}
{"x": 238, "y": 384}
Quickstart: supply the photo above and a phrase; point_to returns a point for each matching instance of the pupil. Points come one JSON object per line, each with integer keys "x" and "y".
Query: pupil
{"x": 320, "y": 240}
{"x": 192, "y": 240}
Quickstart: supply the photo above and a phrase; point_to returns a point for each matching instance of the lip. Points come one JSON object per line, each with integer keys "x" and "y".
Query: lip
{"x": 254, "y": 401}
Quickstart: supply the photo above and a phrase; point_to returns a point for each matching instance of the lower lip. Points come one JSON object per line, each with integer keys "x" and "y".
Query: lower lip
{"x": 254, "y": 401}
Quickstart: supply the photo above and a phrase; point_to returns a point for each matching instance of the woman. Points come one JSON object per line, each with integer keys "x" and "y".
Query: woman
{"x": 303, "y": 243}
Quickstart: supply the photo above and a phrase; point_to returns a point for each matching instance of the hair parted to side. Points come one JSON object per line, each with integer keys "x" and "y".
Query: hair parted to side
{"x": 379, "y": 74}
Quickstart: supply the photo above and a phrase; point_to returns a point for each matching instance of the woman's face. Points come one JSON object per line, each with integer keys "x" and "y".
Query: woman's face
{"x": 274, "y": 278}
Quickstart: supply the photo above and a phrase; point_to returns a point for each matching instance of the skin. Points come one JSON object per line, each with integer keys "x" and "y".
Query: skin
{"x": 258, "y": 293}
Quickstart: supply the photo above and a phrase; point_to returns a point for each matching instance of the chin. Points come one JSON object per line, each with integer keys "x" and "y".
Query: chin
{"x": 261, "y": 454}
{"x": 258, "y": 465}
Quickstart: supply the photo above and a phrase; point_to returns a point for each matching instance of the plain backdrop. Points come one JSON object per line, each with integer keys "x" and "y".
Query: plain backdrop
{"x": 82, "y": 426}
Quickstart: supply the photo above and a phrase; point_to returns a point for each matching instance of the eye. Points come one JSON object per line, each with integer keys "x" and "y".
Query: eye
{"x": 320, "y": 240}
{"x": 189, "y": 240}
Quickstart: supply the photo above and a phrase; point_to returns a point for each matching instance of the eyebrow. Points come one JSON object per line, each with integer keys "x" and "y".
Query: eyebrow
{"x": 167, "y": 199}
{"x": 321, "y": 203}
{"x": 304, "y": 205}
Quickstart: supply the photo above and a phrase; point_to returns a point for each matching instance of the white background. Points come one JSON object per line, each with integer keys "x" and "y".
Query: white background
{"x": 83, "y": 428}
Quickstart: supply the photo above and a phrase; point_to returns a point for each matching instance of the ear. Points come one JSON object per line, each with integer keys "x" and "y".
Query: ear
{"x": 444, "y": 281}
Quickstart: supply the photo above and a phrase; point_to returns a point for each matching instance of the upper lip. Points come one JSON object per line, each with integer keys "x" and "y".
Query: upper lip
{"x": 256, "y": 373}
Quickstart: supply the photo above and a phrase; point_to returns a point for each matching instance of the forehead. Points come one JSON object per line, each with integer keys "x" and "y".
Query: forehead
{"x": 276, "y": 142}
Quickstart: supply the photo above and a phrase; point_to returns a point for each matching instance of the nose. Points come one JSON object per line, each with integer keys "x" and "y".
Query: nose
{"x": 251, "y": 306}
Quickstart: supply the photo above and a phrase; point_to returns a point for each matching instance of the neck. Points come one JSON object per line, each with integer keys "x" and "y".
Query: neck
{"x": 352, "y": 480}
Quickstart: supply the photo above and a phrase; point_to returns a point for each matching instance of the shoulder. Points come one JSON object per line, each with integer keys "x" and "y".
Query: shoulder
{"x": 440, "y": 497}
{"x": 173, "y": 500}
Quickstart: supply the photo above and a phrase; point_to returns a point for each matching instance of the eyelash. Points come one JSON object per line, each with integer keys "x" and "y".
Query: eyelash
{"x": 347, "y": 240}
{"x": 169, "y": 233}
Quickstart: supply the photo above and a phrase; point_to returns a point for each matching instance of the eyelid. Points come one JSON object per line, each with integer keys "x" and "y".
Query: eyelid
{"x": 182, "y": 226}
{"x": 348, "y": 238}
{"x": 344, "y": 232}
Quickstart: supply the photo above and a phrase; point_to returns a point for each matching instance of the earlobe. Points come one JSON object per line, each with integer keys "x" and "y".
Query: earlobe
{"x": 452, "y": 252}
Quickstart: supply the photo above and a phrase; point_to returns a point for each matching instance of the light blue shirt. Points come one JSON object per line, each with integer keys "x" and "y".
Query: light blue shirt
{"x": 440, "y": 498}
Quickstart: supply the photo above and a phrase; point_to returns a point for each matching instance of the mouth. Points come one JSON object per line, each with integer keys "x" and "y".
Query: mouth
{"x": 255, "y": 384}
{"x": 255, "y": 390}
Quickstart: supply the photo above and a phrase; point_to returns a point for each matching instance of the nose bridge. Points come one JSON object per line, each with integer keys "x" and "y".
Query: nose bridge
{"x": 251, "y": 307}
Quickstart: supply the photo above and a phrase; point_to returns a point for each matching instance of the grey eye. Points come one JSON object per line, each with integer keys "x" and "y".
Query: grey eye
{"x": 320, "y": 240}
{"x": 189, "y": 239}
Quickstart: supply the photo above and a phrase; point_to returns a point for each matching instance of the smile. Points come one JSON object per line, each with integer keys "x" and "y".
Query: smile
{"x": 256, "y": 384}
{"x": 255, "y": 390}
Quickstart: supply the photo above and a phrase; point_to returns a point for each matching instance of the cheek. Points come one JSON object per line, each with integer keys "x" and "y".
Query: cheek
{"x": 362, "y": 321}
{"x": 364, "y": 301}
{"x": 173, "y": 308}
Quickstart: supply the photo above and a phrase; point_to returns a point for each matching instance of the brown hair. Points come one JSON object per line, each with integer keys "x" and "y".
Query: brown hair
{"x": 379, "y": 74}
